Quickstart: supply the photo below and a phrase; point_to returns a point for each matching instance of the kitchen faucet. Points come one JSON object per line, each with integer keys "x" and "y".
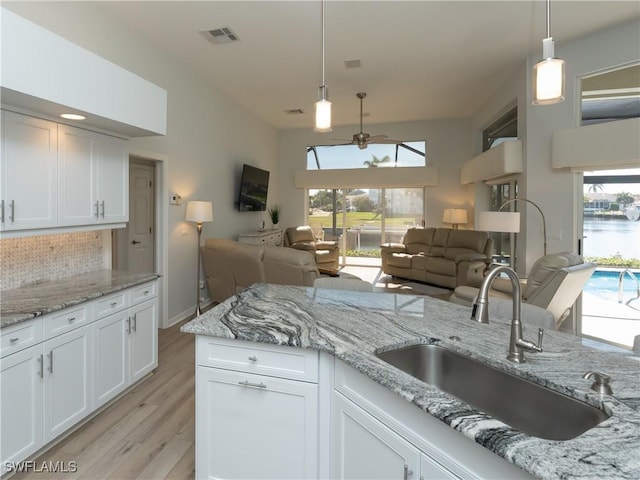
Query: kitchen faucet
{"x": 480, "y": 313}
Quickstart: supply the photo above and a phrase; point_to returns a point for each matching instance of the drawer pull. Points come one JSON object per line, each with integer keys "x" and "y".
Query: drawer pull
{"x": 129, "y": 325}
{"x": 246, "y": 383}
{"x": 41, "y": 366}
{"x": 50, "y": 355}
{"x": 134, "y": 325}
{"x": 253, "y": 358}
{"x": 146, "y": 292}
{"x": 113, "y": 304}
{"x": 14, "y": 340}
{"x": 71, "y": 319}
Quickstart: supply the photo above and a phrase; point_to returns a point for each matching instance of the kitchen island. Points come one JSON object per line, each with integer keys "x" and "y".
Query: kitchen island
{"x": 350, "y": 327}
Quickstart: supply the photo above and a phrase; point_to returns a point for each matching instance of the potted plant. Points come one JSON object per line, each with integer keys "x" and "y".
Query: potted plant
{"x": 274, "y": 214}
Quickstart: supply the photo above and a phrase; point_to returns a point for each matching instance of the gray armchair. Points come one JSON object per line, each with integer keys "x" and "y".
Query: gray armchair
{"x": 326, "y": 253}
{"x": 554, "y": 283}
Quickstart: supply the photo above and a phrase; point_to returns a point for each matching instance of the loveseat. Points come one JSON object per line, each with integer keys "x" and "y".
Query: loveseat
{"x": 230, "y": 267}
{"x": 440, "y": 256}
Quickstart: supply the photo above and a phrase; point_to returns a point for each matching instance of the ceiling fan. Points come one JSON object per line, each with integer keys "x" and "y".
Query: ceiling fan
{"x": 362, "y": 139}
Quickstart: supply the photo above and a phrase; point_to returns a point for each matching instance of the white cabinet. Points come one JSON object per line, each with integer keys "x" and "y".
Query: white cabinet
{"x": 262, "y": 237}
{"x": 364, "y": 448}
{"x": 58, "y": 369}
{"x": 21, "y": 386}
{"x": 54, "y": 175}
{"x": 255, "y": 425}
{"x": 29, "y": 172}
{"x": 67, "y": 381}
{"x": 93, "y": 174}
{"x": 126, "y": 342}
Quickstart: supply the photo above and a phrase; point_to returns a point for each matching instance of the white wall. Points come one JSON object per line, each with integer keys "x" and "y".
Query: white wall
{"x": 447, "y": 148}
{"x": 209, "y": 136}
{"x": 554, "y": 190}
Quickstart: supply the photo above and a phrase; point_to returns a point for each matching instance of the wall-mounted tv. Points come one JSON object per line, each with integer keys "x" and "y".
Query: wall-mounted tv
{"x": 253, "y": 189}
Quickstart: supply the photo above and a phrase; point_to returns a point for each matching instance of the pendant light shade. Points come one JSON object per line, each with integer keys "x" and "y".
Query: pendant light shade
{"x": 323, "y": 112}
{"x": 548, "y": 74}
{"x": 323, "y": 105}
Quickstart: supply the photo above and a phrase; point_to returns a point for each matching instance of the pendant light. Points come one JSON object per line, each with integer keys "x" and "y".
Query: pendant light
{"x": 323, "y": 105}
{"x": 548, "y": 74}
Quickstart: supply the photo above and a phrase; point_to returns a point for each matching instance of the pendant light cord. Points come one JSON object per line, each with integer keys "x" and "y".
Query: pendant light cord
{"x": 548, "y": 19}
{"x": 323, "y": 14}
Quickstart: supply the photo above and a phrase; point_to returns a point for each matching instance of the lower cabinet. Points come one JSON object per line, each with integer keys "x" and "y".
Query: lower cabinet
{"x": 67, "y": 381}
{"x": 49, "y": 382}
{"x": 364, "y": 448}
{"x": 255, "y": 426}
{"x": 21, "y": 404}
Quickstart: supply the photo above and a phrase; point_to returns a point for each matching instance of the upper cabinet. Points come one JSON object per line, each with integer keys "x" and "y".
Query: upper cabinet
{"x": 29, "y": 167}
{"x": 93, "y": 173}
{"x": 54, "y": 175}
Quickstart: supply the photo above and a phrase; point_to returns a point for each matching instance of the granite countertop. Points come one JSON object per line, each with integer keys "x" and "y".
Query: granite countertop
{"x": 30, "y": 301}
{"x": 352, "y": 326}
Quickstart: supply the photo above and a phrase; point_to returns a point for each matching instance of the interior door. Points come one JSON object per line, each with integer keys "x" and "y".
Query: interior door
{"x": 135, "y": 244}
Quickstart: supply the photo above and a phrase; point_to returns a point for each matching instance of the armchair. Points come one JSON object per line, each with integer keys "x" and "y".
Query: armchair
{"x": 327, "y": 254}
{"x": 554, "y": 283}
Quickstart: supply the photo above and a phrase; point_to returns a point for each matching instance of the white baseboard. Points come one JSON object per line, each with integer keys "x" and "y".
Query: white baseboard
{"x": 187, "y": 313}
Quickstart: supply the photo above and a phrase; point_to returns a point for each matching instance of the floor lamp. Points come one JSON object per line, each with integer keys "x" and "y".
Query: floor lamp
{"x": 508, "y": 222}
{"x": 199, "y": 212}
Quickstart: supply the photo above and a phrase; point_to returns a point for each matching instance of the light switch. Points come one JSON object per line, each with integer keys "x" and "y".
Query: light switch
{"x": 175, "y": 199}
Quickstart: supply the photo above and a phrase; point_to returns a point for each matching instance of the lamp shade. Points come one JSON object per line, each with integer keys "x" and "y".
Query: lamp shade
{"x": 454, "y": 215}
{"x": 323, "y": 116}
{"x": 507, "y": 222}
{"x": 199, "y": 211}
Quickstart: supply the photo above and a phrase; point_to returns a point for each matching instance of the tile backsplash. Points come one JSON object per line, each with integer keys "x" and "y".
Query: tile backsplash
{"x": 49, "y": 257}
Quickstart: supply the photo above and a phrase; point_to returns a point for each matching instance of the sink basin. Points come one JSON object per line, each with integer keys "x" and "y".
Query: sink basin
{"x": 524, "y": 405}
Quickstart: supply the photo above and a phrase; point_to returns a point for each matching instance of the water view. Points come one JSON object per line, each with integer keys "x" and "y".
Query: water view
{"x": 611, "y": 237}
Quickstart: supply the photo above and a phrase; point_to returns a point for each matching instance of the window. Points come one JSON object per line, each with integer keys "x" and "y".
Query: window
{"x": 332, "y": 157}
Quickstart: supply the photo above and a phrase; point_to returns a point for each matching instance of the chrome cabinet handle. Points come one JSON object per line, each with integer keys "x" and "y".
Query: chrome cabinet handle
{"x": 406, "y": 472}
{"x": 71, "y": 319}
{"x": 246, "y": 383}
{"x": 129, "y": 325}
{"x": 2, "y": 211}
{"x": 146, "y": 292}
{"x": 97, "y": 209}
{"x": 40, "y": 366}
{"x": 14, "y": 340}
{"x": 113, "y": 304}
{"x": 135, "y": 322}
{"x": 253, "y": 358}
{"x": 102, "y": 208}
{"x": 50, "y": 355}
{"x": 12, "y": 206}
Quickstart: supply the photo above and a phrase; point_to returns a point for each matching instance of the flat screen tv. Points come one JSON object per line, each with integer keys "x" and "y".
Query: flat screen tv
{"x": 253, "y": 189}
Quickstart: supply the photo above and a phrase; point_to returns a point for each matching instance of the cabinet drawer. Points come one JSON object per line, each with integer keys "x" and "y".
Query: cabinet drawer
{"x": 66, "y": 320}
{"x": 19, "y": 336}
{"x": 111, "y": 304}
{"x": 273, "y": 360}
{"x": 144, "y": 292}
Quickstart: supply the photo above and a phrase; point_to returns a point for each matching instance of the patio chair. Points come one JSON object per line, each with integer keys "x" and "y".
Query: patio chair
{"x": 554, "y": 283}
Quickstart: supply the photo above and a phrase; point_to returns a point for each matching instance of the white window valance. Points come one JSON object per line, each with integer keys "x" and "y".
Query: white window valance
{"x": 380, "y": 177}
{"x": 608, "y": 145}
{"x": 500, "y": 161}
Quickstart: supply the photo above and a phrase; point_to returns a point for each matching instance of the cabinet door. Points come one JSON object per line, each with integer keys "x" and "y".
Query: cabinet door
{"x": 143, "y": 339}
{"x": 113, "y": 180}
{"x": 67, "y": 380}
{"x": 29, "y": 172}
{"x": 252, "y": 426}
{"x": 21, "y": 404}
{"x": 432, "y": 470}
{"x": 77, "y": 165}
{"x": 111, "y": 356}
{"x": 364, "y": 448}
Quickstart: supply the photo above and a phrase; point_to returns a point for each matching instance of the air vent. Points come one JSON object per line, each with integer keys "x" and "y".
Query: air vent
{"x": 294, "y": 111}
{"x": 354, "y": 63}
{"x": 220, "y": 35}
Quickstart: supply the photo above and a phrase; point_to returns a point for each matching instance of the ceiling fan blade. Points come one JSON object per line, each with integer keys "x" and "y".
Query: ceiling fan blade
{"x": 386, "y": 140}
{"x": 377, "y": 137}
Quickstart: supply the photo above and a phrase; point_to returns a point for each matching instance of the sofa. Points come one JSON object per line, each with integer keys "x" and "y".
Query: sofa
{"x": 230, "y": 267}
{"x": 326, "y": 253}
{"x": 441, "y": 256}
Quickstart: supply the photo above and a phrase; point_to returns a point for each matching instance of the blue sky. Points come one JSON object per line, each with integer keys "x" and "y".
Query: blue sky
{"x": 350, "y": 156}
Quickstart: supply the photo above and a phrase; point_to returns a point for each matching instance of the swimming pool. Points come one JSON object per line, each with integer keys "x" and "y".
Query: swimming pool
{"x": 604, "y": 284}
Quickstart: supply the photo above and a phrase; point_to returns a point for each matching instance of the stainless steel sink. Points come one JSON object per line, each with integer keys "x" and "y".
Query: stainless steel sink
{"x": 524, "y": 405}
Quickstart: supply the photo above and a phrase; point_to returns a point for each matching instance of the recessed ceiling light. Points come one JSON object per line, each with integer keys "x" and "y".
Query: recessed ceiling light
{"x": 72, "y": 116}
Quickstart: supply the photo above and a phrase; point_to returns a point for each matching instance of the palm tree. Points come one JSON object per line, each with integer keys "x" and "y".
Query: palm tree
{"x": 594, "y": 187}
{"x": 624, "y": 198}
{"x": 375, "y": 161}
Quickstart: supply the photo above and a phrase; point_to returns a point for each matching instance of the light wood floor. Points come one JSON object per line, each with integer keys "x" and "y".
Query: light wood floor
{"x": 148, "y": 433}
